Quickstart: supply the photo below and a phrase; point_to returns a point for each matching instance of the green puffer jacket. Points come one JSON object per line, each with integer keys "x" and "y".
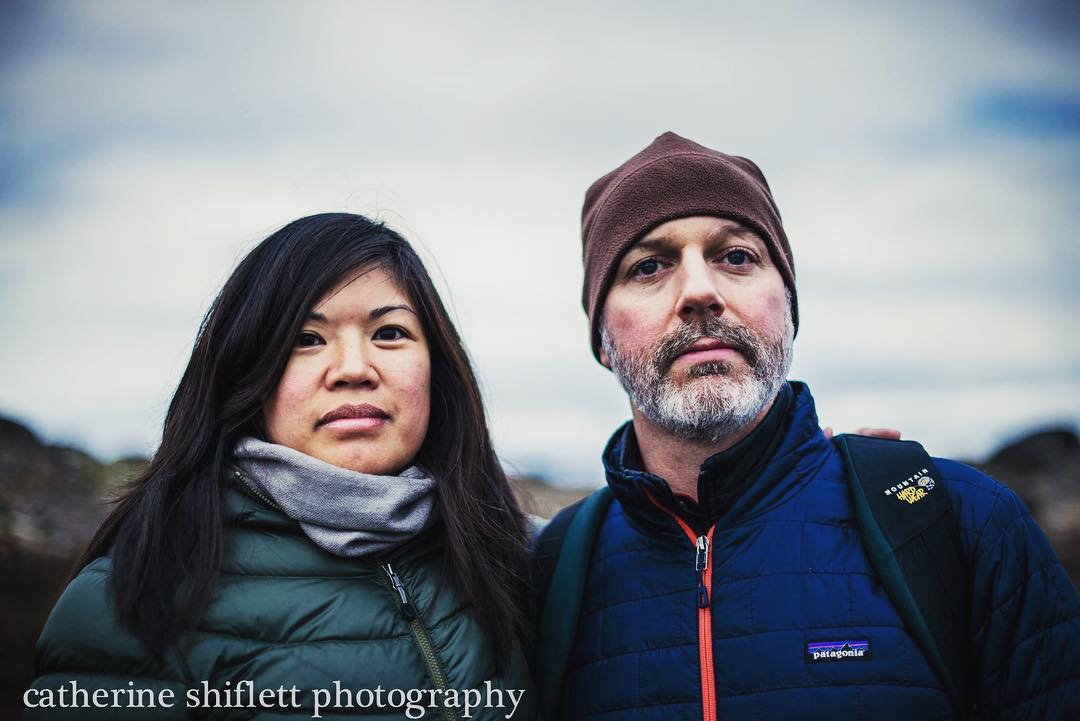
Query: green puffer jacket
{"x": 287, "y": 614}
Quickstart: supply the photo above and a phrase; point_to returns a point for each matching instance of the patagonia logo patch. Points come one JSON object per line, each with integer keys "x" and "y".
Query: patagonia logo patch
{"x": 842, "y": 650}
{"x": 914, "y": 489}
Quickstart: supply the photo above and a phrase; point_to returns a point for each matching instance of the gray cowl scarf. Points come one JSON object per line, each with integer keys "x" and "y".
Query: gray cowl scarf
{"x": 345, "y": 512}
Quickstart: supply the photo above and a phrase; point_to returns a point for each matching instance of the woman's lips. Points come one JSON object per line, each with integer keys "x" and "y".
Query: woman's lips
{"x": 354, "y": 425}
{"x": 354, "y": 418}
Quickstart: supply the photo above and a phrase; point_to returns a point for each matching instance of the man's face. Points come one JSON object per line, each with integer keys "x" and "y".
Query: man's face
{"x": 697, "y": 327}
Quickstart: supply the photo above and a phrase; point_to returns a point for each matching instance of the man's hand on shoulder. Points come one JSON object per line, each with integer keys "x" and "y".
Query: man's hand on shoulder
{"x": 890, "y": 433}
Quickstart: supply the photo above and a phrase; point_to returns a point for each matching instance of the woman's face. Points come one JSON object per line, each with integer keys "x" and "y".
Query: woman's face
{"x": 356, "y": 390}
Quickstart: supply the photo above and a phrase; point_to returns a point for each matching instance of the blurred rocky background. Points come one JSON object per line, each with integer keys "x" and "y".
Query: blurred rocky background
{"x": 52, "y": 498}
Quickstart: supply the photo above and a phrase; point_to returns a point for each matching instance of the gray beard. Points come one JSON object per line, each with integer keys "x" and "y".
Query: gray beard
{"x": 714, "y": 400}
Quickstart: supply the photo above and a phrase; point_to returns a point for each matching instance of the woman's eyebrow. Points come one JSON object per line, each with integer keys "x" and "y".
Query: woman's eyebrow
{"x": 374, "y": 314}
{"x": 384, "y": 309}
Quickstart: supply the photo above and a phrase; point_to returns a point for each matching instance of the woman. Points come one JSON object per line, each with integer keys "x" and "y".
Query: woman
{"x": 325, "y": 506}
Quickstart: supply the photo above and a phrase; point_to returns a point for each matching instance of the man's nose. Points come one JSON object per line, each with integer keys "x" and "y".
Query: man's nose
{"x": 352, "y": 365}
{"x": 699, "y": 294}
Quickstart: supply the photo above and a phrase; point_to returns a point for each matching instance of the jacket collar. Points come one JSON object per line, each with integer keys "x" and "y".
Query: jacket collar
{"x": 248, "y": 511}
{"x": 794, "y": 457}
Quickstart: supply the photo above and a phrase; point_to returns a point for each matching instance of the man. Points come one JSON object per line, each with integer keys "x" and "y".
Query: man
{"x": 730, "y": 576}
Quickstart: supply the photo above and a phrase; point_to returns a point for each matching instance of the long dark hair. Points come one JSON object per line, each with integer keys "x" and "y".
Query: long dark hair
{"x": 170, "y": 521}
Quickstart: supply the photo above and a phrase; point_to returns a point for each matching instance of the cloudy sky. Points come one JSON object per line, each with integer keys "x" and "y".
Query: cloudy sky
{"x": 925, "y": 157}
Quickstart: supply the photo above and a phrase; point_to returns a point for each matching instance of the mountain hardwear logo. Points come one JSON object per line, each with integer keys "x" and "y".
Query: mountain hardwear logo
{"x": 914, "y": 489}
{"x": 842, "y": 650}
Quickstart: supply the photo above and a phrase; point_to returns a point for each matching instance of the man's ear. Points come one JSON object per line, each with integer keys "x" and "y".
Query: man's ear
{"x": 602, "y": 355}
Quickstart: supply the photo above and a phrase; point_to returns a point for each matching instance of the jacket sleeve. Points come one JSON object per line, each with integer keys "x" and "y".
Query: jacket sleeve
{"x": 82, "y": 647}
{"x": 1025, "y": 610}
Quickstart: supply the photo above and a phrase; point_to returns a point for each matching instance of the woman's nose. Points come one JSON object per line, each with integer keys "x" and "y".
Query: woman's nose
{"x": 352, "y": 366}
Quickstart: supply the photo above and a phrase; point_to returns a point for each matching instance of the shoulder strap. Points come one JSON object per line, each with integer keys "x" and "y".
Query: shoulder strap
{"x": 561, "y": 562}
{"x": 911, "y": 535}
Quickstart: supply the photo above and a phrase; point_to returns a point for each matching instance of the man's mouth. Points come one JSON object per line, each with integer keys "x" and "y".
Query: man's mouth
{"x": 707, "y": 350}
{"x": 715, "y": 341}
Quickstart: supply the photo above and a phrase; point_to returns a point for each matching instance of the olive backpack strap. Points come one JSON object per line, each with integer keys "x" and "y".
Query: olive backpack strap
{"x": 561, "y": 556}
{"x": 910, "y": 532}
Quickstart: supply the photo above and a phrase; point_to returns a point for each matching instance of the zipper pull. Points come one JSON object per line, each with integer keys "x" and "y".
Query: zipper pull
{"x": 701, "y": 557}
{"x": 407, "y": 609}
{"x": 701, "y": 563}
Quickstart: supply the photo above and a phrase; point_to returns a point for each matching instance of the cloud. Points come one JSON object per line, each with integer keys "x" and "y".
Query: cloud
{"x": 922, "y": 158}
{"x": 1033, "y": 113}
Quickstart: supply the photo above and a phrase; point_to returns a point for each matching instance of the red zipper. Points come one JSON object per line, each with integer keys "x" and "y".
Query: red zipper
{"x": 703, "y": 551}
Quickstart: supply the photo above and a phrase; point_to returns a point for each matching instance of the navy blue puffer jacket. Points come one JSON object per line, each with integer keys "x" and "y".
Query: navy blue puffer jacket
{"x": 659, "y": 640}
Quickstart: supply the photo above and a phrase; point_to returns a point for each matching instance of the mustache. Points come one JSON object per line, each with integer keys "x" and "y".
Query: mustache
{"x": 728, "y": 332}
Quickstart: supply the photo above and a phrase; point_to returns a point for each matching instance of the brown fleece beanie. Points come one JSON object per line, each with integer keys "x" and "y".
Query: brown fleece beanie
{"x": 673, "y": 178}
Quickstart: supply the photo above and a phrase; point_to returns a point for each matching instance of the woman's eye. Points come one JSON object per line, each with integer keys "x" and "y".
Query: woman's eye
{"x": 389, "y": 333}
{"x": 308, "y": 339}
{"x": 647, "y": 267}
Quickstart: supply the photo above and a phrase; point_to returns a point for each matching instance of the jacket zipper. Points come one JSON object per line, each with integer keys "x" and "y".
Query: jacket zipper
{"x": 420, "y": 635}
{"x": 250, "y": 487}
{"x": 408, "y": 611}
{"x": 702, "y": 553}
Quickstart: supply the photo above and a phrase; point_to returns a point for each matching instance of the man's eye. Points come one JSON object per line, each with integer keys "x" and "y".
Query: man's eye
{"x": 308, "y": 339}
{"x": 739, "y": 257}
{"x": 389, "y": 333}
{"x": 647, "y": 267}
